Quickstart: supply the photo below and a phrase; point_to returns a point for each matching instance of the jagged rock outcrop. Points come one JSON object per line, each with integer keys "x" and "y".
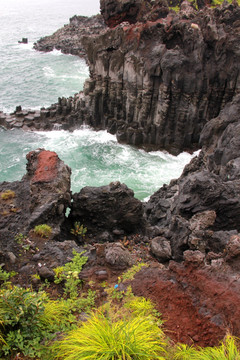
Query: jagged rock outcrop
{"x": 109, "y": 211}
{"x": 69, "y": 38}
{"x": 201, "y": 210}
{"x": 41, "y": 197}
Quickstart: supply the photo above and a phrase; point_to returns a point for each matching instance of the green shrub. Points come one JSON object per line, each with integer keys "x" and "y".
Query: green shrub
{"x": 4, "y": 275}
{"x": 43, "y": 230}
{"x": 102, "y": 338}
{"x": 69, "y": 273}
{"x": 8, "y": 194}
{"x": 29, "y": 320}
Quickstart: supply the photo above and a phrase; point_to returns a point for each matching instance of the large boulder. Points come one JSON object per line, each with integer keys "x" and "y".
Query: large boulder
{"x": 110, "y": 208}
{"x": 41, "y": 197}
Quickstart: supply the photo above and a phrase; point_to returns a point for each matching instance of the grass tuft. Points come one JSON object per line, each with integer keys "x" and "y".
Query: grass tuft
{"x": 102, "y": 338}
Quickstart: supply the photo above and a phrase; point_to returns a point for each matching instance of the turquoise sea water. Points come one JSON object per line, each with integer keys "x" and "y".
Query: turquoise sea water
{"x": 34, "y": 80}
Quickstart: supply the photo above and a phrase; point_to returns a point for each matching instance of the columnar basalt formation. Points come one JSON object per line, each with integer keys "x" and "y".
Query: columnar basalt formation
{"x": 154, "y": 83}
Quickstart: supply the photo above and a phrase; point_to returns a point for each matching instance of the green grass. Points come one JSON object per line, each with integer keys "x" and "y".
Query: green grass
{"x": 227, "y": 350}
{"x": 103, "y": 338}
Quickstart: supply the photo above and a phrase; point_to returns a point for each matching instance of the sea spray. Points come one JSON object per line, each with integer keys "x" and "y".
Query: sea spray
{"x": 96, "y": 158}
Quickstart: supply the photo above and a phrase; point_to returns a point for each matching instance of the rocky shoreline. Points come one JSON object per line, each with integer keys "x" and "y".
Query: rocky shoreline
{"x": 165, "y": 81}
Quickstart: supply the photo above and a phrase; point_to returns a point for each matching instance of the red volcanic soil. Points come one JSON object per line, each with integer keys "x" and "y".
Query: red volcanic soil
{"x": 198, "y": 307}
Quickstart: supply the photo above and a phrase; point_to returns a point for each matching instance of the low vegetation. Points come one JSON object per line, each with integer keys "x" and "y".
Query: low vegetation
{"x": 125, "y": 327}
{"x": 8, "y": 194}
{"x": 79, "y": 231}
{"x": 43, "y": 230}
{"x": 69, "y": 274}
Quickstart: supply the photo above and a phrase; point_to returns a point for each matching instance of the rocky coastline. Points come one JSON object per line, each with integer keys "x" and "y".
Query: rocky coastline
{"x": 160, "y": 80}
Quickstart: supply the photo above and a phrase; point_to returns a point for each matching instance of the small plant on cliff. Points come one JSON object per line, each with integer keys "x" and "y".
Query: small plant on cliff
{"x": 69, "y": 273}
{"x": 5, "y": 276}
{"x": 43, "y": 230}
{"x": 129, "y": 274}
{"x": 79, "y": 230}
{"x": 8, "y": 194}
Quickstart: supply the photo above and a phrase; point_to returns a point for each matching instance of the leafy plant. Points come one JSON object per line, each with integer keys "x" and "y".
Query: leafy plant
{"x": 43, "y": 230}
{"x": 141, "y": 306}
{"x": 29, "y": 320}
{"x": 69, "y": 273}
{"x": 79, "y": 230}
{"x": 20, "y": 238}
{"x": 4, "y": 275}
{"x": 8, "y": 194}
{"x": 129, "y": 274}
{"x": 103, "y": 338}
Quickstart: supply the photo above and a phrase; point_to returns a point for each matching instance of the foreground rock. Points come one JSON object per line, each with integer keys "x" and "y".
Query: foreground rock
{"x": 41, "y": 197}
{"x": 109, "y": 211}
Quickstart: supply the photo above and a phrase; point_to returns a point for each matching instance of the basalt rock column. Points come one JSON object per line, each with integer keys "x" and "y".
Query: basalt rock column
{"x": 157, "y": 83}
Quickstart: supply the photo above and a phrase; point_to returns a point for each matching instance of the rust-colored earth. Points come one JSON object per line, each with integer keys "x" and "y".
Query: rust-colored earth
{"x": 198, "y": 307}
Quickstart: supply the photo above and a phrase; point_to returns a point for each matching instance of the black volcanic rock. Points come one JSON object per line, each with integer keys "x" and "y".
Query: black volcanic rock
{"x": 69, "y": 38}
{"x": 115, "y": 12}
{"x": 112, "y": 208}
{"x": 209, "y": 182}
{"x": 157, "y": 83}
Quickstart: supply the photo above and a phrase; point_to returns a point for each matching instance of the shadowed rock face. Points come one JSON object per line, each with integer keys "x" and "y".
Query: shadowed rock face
{"x": 115, "y": 12}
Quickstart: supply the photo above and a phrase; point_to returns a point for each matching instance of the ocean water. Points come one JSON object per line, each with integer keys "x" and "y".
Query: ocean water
{"x": 33, "y": 80}
{"x": 30, "y": 78}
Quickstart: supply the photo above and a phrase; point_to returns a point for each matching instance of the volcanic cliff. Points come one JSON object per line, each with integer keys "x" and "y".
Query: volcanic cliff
{"x": 160, "y": 80}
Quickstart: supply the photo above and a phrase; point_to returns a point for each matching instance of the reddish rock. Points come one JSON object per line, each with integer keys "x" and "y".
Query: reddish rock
{"x": 46, "y": 167}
